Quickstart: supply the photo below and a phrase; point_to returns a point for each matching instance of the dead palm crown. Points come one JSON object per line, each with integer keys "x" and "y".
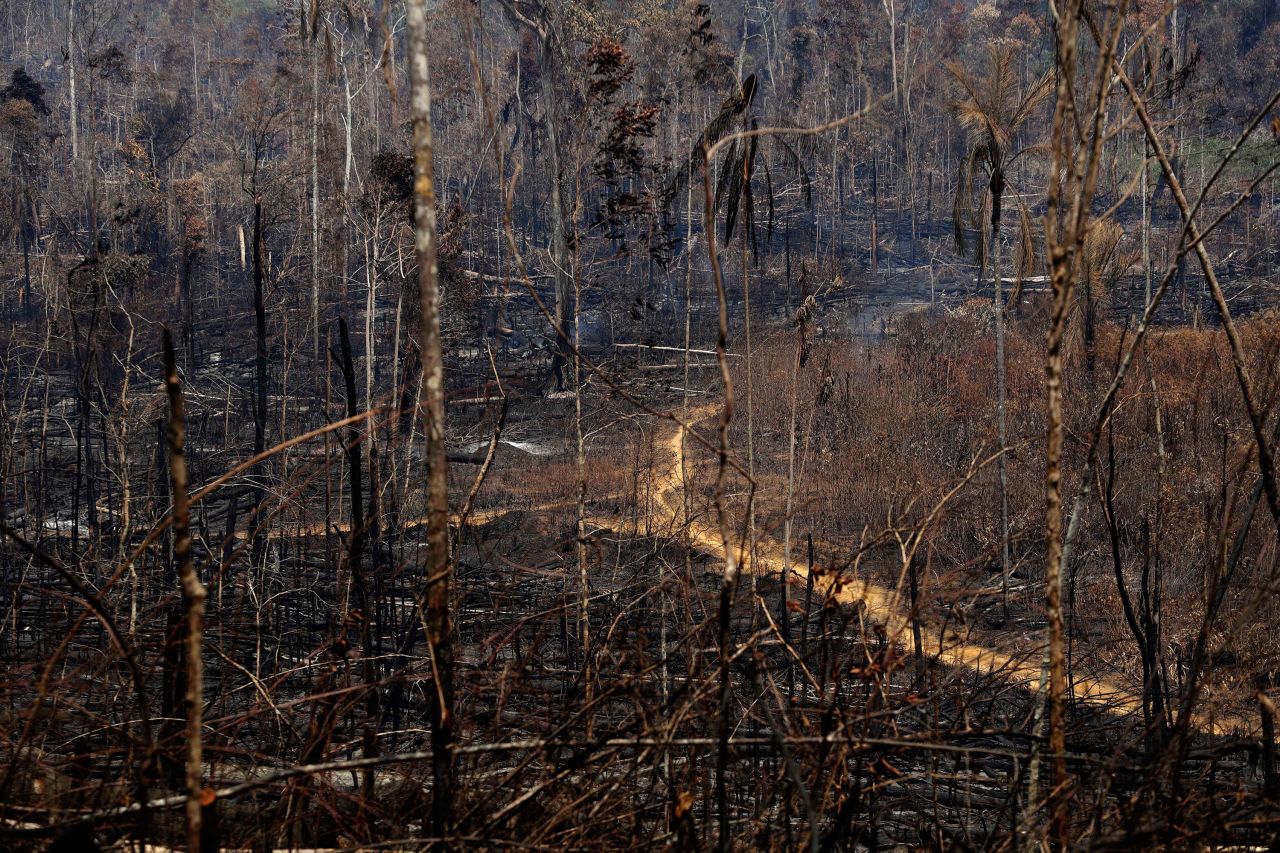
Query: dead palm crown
{"x": 992, "y": 109}
{"x": 734, "y": 180}
{"x": 1103, "y": 263}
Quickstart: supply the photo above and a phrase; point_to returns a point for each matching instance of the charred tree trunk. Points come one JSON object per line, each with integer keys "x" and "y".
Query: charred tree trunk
{"x": 260, "y": 382}
{"x": 193, "y": 601}
{"x": 355, "y": 558}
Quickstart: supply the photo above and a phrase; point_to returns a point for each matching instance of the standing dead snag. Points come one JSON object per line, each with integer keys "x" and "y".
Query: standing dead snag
{"x": 1078, "y": 133}
{"x": 431, "y": 410}
{"x": 193, "y": 592}
{"x": 258, "y": 550}
{"x": 355, "y": 562}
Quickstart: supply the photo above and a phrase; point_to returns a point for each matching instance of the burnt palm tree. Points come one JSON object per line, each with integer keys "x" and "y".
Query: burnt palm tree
{"x": 1103, "y": 262}
{"x": 992, "y": 110}
{"x": 735, "y": 197}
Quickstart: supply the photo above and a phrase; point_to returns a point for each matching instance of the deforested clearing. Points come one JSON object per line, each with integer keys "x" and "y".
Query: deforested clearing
{"x": 621, "y": 425}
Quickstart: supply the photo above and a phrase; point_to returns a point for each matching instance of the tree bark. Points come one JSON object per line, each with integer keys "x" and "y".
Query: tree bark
{"x": 193, "y": 596}
{"x": 1002, "y": 464}
{"x": 260, "y": 376}
{"x": 355, "y": 556}
{"x": 439, "y": 571}
{"x": 564, "y": 308}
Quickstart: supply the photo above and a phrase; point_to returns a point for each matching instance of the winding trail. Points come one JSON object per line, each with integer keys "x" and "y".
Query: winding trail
{"x": 882, "y": 605}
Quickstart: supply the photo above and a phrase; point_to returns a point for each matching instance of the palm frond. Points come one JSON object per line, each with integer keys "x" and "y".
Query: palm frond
{"x": 984, "y": 237}
{"x": 1038, "y": 149}
{"x": 791, "y": 157}
{"x": 971, "y": 111}
{"x": 1101, "y": 262}
{"x": 715, "y": 130}
{"x": 751, "y": 201}
{"x": 729, "y": 167}
{"x": 1002, "y": 94}
{"x": 991, "y": 104}
{"x": 1034, "y": 97}
{"x": 748, "y": 94}
{"x": 963, "y": 210}
{"x": 962, "y": 76}
{"x": 731, "y": 199}
{"x": 1026, "y": 258}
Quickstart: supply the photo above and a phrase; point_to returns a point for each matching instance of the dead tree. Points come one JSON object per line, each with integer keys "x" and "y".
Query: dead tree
{"x": 439, "y": 569}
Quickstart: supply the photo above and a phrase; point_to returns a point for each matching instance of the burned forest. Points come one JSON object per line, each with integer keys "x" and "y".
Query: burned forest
{"x": 828, "y": 425}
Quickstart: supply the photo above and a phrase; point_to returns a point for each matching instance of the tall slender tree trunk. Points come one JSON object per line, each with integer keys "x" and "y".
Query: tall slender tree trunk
{"x": 193, "y": 597}
{"x": 1002, "y": 463}
{"x": 584, "y": 580}
{"x": 71, "y": 83}
{"x": 891, "y": 15}
{"x": 784, "y": 614}
{"x": 260, "y": 381}
{"x": 355, "y": 556}
{"x": 439, "y": 571}
{"x": 27, "y": 304}
{"x": 315, "y": 208}
{"x": 347, "y": 158}
{"x": 370, "y": 313}
{"x": 747, "y": 224}
{"x": 1062, "y": 259}
{"x": 875, "y": 209}
{"x": 559, "y": 243}
{"x": 188, "y": 270}
{"x": 1146, "y": 227}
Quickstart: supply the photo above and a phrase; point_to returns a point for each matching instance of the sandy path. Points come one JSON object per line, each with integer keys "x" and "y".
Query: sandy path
{"x": 883, "y": 605}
